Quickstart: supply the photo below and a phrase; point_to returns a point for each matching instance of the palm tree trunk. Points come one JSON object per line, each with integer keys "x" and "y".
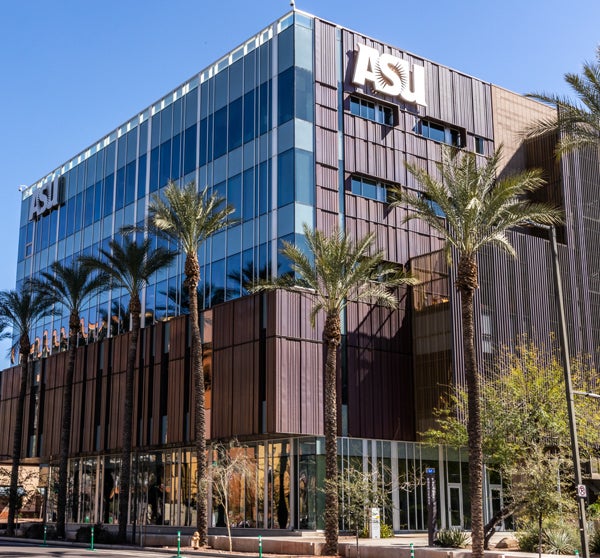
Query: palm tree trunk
{"x": 65, "y": 429}
{"x": 13, "y": 496}
{"x": 192, "y": 272}
{"x": 331, "y": 336}
{"x": 125, "y": 478}
{"x": 467, "y": 283}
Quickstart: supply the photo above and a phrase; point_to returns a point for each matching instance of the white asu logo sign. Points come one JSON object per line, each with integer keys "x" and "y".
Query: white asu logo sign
{"x": 389, "y": 75}
{"x": 45, "y": 199}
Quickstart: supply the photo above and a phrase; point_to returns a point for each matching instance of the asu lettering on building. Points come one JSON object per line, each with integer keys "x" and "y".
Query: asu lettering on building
{"x": 45, "y": 199}
{"x": 389, "y": 75}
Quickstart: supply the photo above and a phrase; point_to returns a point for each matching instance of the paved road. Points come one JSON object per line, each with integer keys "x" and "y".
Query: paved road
{"x": 12, "y": 549}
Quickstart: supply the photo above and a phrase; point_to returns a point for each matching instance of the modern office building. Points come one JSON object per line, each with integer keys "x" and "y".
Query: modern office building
{"x": 305, "y": 122}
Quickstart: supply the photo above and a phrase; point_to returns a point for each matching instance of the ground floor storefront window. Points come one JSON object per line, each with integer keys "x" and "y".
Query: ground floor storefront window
{"x": 282, "y": 489}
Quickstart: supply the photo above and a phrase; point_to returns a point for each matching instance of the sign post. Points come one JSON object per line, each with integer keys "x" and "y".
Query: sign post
{"x": 375, "y": 523}
{"x": 431, "y": 504}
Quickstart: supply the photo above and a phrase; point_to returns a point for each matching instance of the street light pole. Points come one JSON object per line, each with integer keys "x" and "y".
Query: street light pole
{"x": 585, "y": 553}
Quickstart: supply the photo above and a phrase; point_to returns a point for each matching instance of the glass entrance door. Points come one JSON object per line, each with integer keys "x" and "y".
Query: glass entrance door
{"x": 455, "y": 506}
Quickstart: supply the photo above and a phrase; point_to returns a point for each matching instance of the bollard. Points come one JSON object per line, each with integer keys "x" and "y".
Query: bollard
{"x": 92, "y": 539}
{"x": 178, "y": 555}
{"x": 259, "y": 546}
{"x": 45, "y": 535}
{"x": 412, "y": 550}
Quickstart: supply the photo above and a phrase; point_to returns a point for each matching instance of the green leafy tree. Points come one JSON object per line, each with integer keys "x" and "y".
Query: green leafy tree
{"x": 478, "y": 211}
{"x": 19, "y": 311}
{"x": 70, "y": 286}
{"x": 129, "y": 265}
{"x": 335, "y": 269}
{"x": 526, "y": 429}
{"x": 578, "y": 122}
{"x": 189, "y": 217}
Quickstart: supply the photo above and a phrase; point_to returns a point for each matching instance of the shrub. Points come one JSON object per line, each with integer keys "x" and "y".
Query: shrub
{"x": 101, "y": 535}
{"x": 36, "y": 531}
{"x": 555, "y": 540}
{"x": 452, "y": 538}
{"x": 528, "y": 540}
{"x": 595, "y": 541}
{"x": 385, "y": 532}
{"x": 559, "y": 541}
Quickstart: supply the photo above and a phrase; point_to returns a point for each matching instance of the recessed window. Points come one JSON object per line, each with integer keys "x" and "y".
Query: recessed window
{"x": 479, "y": 146}
{"x": 369, "y": 188}
{"x": 372, "y": 111}
{"x": 437, "y": 131}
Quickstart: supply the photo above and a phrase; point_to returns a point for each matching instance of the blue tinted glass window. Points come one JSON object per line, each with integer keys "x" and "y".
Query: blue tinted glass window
{"x": 263, "y": 188}
{"x": 436, "y": 132}
{"x": 130, "y": 183}
{"x": 235, "y": 124}
{"x": 285, "y": 178}
{"x": 479, "y": 145}
{"x": 304, "y": 177}
{"x": 264, "y": 52}
{"x": 191, "y": 108}
{"x": 249, "y": 71}
{"x": 369, "y": 189}
{"x": 143, "y": 137}
{"x": 234, "y": 195}
{"x": 91, "y": 171}
{"x": 234, "y": 276}
{"x": 88, "y": 212}
{"x": 109, "y": 189}
{"x": 203, "y": 141}
{"x": 165, "y": 164}
{"x": 121, "y": 151}
{"x": 131, "y": 145}
{"x": 264, "y": 114}
{"x": 78, "y": 211}
{"x": 189, "y": 157}
{"x": 155, "y": 140}
{"x": 236, "y": 71}
{"x": 109, "y": 163}
{"x": 166, "y": 121}
{"x": 154, "y": 170}
{"x": 285, "y": 96}
{"x": 354, "y": 106}
{"x": 62, "y": 228}
{"x": 142, "y": 177}
{"x": 98, "y": 200}
{"x": 120, "y": 189}
{"x": 204, "y": 93}
{"x": 249, "y": 116}
{"x": 176, "y": 157}
{"x": 248, "y": 195}
{"x": 221, "y": 88}
{"x": 220, "y": 135}
{"x": 177, "y": 110}
{"x": 304, "y": 94}
{"x": 285, "y": 49}
{"x": 217, "y": 283}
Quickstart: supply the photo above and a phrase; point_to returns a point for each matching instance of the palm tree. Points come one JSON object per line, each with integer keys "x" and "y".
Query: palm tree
{"x": 129, "y": 266}
{"x": 19, "y": 310}
{"x": 70, "y": 286}
{"x": 478, "y": 211}
{"x": 335, "y": 269}
{"x": 577, "y": 122}
{"x": 188, "y": 218}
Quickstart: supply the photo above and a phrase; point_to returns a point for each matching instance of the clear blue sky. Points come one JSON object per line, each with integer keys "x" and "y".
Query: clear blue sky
{"x": 74, "y": 70}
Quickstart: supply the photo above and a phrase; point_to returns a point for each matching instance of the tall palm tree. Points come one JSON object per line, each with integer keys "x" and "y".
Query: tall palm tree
{"x": 129, "y": 265}
{"x": 189, "y": 217}
{"x": 19, "y": 311}
{"x": 334, "y": 268}
{"x": 578, "y": 121}
{"x": 70, "y": 286}
{"x": 478, "y": 211}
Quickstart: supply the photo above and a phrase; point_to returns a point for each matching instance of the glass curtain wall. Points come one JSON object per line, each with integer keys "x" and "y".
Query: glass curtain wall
{"x": 281, "y": 489}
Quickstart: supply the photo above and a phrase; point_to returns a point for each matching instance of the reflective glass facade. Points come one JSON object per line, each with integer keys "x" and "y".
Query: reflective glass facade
{"x": 243, "y": 127}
